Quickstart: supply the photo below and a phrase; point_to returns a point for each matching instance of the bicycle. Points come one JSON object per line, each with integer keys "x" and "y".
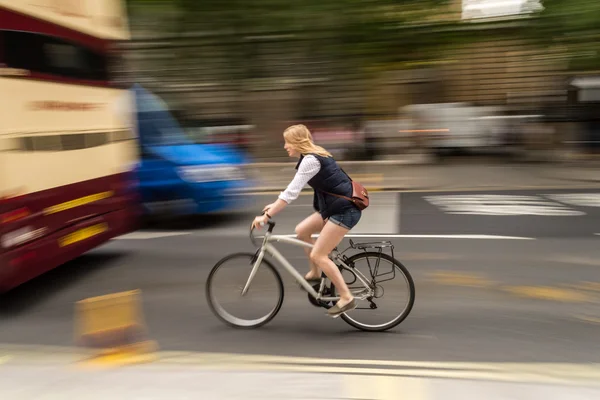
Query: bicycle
{"x": 319, "y": 295}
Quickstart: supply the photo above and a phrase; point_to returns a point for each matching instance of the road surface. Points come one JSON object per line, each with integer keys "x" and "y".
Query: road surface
{"x": 515, "y": 282}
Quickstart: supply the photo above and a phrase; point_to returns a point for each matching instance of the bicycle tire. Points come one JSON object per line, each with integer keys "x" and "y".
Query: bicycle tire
{"x": 410, "y": 303}
{"x": 213, "y": 307}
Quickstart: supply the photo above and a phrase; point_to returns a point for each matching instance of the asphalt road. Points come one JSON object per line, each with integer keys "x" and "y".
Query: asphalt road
{"x": 524, "y": 291}
{"x": 530, "y": 213}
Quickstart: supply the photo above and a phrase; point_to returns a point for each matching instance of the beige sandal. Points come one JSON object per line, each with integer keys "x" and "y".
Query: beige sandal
{"x": 336, "y": 310}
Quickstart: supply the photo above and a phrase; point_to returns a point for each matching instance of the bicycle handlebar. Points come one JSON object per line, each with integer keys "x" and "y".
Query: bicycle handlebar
{"x": 269, "y": 230}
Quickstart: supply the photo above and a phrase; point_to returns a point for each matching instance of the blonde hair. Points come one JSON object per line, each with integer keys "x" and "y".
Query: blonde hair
{"x": 299, "y": 136}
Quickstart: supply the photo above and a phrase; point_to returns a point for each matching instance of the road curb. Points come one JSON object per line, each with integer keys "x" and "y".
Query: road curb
{"x": 572, "y": 374}
{"x": 565, "y": 373}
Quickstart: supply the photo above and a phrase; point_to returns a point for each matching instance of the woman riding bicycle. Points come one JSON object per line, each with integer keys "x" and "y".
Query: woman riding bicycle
{"x": 334, "y": 216}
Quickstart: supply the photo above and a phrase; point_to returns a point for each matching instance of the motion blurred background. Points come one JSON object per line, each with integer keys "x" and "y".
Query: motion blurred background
{"x": 376, "y": 79}
{"x": 475, "y": 125}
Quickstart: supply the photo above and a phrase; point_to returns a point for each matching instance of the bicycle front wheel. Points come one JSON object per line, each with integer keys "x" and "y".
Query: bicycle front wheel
{"x": 394, "y": 292}
{"x": 226, "y": 282}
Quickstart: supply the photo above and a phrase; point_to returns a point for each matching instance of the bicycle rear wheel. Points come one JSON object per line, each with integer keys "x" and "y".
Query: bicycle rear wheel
{"x": 224, "y": 291}
{"x": 370, "y": 315}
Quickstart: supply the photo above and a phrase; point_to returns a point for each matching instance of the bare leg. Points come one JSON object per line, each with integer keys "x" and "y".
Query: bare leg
{"x": 331, "y": 235}
{"x": 304, "y": 231}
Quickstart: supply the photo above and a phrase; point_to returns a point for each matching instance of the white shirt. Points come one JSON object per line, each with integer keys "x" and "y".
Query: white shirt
{"x": 309, "y": 167}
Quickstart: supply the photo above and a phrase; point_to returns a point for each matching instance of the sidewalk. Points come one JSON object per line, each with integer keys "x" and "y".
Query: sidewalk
{"x": 413, "y": 174}
{"x": 213, "y": 376}
{"x": 20, "y": 383}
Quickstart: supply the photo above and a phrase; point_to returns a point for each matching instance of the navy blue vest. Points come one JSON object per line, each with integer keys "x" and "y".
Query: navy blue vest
{"x": 332, "y": 179}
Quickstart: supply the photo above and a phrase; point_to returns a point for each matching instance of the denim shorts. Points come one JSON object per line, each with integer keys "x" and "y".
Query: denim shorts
{"x": 347, "y": 218}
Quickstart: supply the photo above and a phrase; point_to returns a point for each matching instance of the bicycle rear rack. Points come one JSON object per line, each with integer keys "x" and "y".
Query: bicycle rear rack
{"x": 365, "y": 247}
{"x": 371, "y": 245}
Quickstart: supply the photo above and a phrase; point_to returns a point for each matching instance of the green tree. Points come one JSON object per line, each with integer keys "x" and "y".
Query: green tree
{"x": 359, "y": 34}
{"x": 572, "y": 26}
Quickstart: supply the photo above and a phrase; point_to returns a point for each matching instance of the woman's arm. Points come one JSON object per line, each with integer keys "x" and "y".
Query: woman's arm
{"x": 273, "y": 209}
{"x": 309, "y": 167}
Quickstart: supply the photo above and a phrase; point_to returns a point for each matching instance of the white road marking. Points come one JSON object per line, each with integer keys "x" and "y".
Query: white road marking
{"x": 509, "y": 372}
{"x": 399, "y": 213}
{"x": 457, "y": 236}
{"x": 308, "y": 192}
{"x": 239, "y": 232}
{"x": 382, "y": 216}
{"x": 567, "y": 373}
{"x": 500, "y": 205}
{"x": 577, "y": 199}
{"x": 150, "y": 235}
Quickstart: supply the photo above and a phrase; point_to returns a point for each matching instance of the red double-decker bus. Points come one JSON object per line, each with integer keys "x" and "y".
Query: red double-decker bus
{"x": 67, "y": 147}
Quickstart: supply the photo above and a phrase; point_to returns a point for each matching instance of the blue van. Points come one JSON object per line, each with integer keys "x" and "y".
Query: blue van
{"x": 177, "y": 175}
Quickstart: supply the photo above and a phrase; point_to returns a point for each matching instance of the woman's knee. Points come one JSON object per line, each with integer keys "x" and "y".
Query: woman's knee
{"x": 317, "y": 258}
{"x": 302, "y": 232}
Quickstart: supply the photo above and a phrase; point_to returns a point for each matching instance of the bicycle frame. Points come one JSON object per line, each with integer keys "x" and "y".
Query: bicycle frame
{"x": 267, "y": 247}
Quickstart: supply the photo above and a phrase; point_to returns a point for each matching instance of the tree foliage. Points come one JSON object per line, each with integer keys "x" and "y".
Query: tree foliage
{"x": 359, "y": 34}
{"x": 571, "y": 25}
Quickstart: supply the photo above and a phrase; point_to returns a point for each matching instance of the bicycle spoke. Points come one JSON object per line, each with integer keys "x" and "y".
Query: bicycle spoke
{"x": 225, "y": 288}
{"x": 380, "y": 308}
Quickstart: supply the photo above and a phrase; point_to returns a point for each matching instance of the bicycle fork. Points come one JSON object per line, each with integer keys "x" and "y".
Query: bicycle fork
{"x": 257, "y": 260}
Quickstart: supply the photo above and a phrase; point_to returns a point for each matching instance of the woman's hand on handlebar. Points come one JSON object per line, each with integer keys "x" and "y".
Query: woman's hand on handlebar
{"x": 268, "y": 207}
{"x": 260, "y": 221}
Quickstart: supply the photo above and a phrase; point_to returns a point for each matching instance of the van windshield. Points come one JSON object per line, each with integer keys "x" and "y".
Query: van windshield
{"x": 156, "y": 125}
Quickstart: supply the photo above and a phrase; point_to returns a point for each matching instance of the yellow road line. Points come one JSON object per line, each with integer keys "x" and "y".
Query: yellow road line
{"x": 591, "y": 320}
{"x": 190, "y": 357}
{"x": 398, "y": 372}
{"x": 572, "y": 293}
{"x": 501, "y": 375}
{"x": 549, "y": 293}
{"x": 467, "y": 279}
{"x": 5, "y": 359}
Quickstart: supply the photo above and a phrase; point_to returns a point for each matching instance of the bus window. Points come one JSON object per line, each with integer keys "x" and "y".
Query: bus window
{"x": 45, "y": 54}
